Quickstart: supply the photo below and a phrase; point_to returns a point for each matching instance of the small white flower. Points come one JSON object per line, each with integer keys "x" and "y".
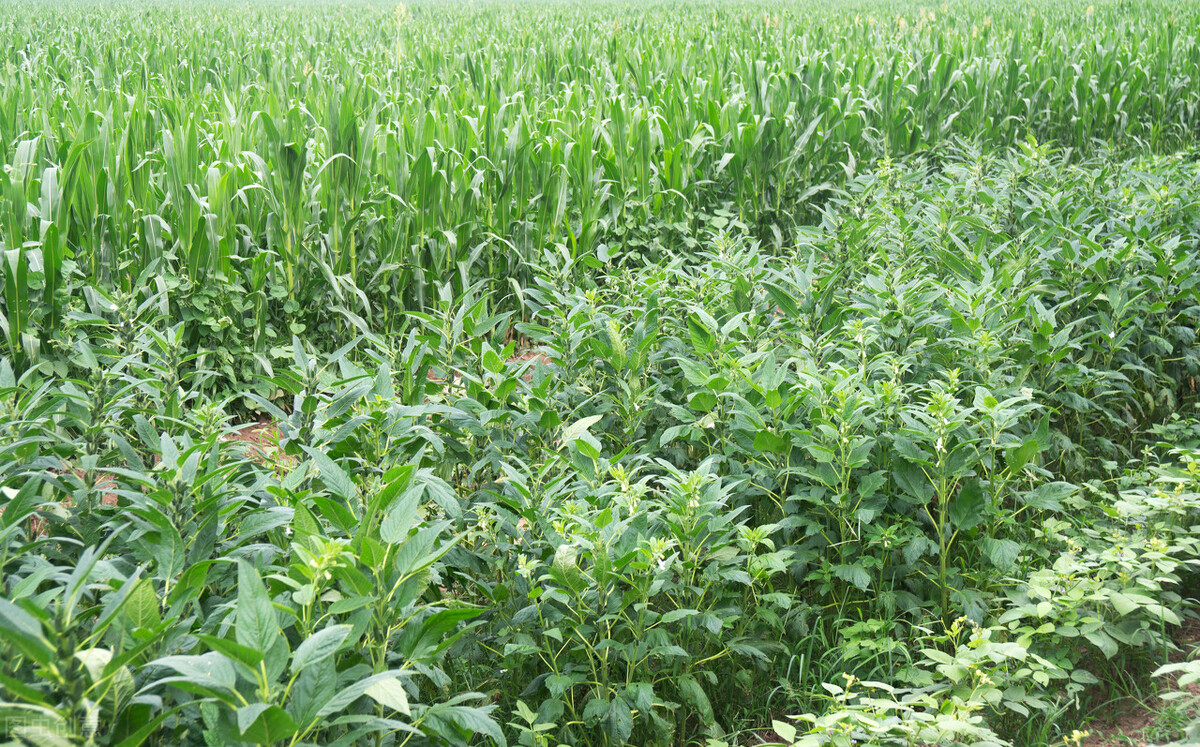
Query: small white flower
{"x": 940, "y": 445}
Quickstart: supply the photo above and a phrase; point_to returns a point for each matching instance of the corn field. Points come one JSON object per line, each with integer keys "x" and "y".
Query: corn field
{"x": 357, "y": 158}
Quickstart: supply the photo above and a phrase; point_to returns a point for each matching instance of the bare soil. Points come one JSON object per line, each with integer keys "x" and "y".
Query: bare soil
{"x": 1129, "y": 722}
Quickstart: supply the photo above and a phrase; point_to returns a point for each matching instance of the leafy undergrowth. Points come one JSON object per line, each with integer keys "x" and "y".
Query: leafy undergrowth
{"x": 927, "y": 476}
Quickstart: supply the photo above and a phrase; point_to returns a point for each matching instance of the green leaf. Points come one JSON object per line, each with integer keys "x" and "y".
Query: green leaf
{"x": 618, "y": 722}
{"x": 696, "y": 374}
{"x": 144, "y": 730}
{"x": 1002, "y": 553}
{"x": 1019, "y": 456}
{"x": 575, "y": 431}
{"x": 676, "y": 615}
{"x": 672, "y": 433}
{"x": 311, "y": 691}
{"x": 256, "y": 624}
{"x": 474, "y": 720}
{"x": 492, "y": 361}
{"x": 234, "y": 651}
{"x": 854, "y": 574}
{"x": 390, "y": 694}
{"x": 703, "y": 340}
{"x": 783, "y": 300}
{"x": 47, "y": 730}
{"x": 23, "y": 630}
{"x": 264, "y": 723}
{"x": 702, "y": 401}
{"x": 559, "y": 684}
{"x": 334, "y": 477}
{"x": 1123, "y": 604}
{"x": 211, "y": 673}
{"x": 1049, "y": 496}
{"x": 319, "y": 647}
{"x": 304, "y": 524}
{"x": 247, "y": 715}
{"x": 1102, "y": 641}
{"x": 786, "y": 731}
{"x": 141, "y": 609}
{"x": 765, "y": 440}
{"x": 968, "y": 507}
{"x": 401, "y": 516}
{"x": 693, "y": 695}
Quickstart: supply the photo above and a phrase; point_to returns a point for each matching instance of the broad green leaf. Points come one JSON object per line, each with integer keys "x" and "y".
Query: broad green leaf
{"x": 319, "y": 647}
{"x": 618, "y": 722}
{"x": 575, "y": 430}
{"x": 765, "y": 440}
{"x": 1049, "y": 496}
{"x": 1123, "y": 604}
{"x": 334, "y": 477}
{"x": 1019, "y": 456}
{"x": 854, "y": 574}
{"x": 389, "y": 693}
{"x": 704, "y": 342}
{"x": 141, "y": 609}
{"x": 257, "y": 624}
{"x": 1002, "y": 553}
{"x": 691, "y": 693}
{"x": 968, "y": 509}
{"x": 264, "y": 723}
{"x": 676, "y": 615}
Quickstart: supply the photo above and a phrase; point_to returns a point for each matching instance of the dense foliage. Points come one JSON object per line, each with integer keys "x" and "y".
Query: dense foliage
{"x": 306, "y": 168}
{"x": 647, "y": 374}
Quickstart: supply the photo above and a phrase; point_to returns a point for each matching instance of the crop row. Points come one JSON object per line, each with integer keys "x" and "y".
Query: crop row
{"x": 312, "y": 167}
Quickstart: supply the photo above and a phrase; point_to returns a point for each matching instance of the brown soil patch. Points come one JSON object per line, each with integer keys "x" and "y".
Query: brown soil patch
{"x": 528, "y": 355}
{"x": 1123, "y": 729}
{"x": 104, "y": 482}
{"x": 261, "y": 441}
{"x": 1128, "y": 721}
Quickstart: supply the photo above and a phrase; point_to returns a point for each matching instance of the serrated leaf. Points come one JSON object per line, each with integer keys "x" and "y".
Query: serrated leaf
{"x": 1002, "y": 553}
{"x": 968, "y": 508}
{"x": 854, "y": 574}
{"x": 1049, "y": 496}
